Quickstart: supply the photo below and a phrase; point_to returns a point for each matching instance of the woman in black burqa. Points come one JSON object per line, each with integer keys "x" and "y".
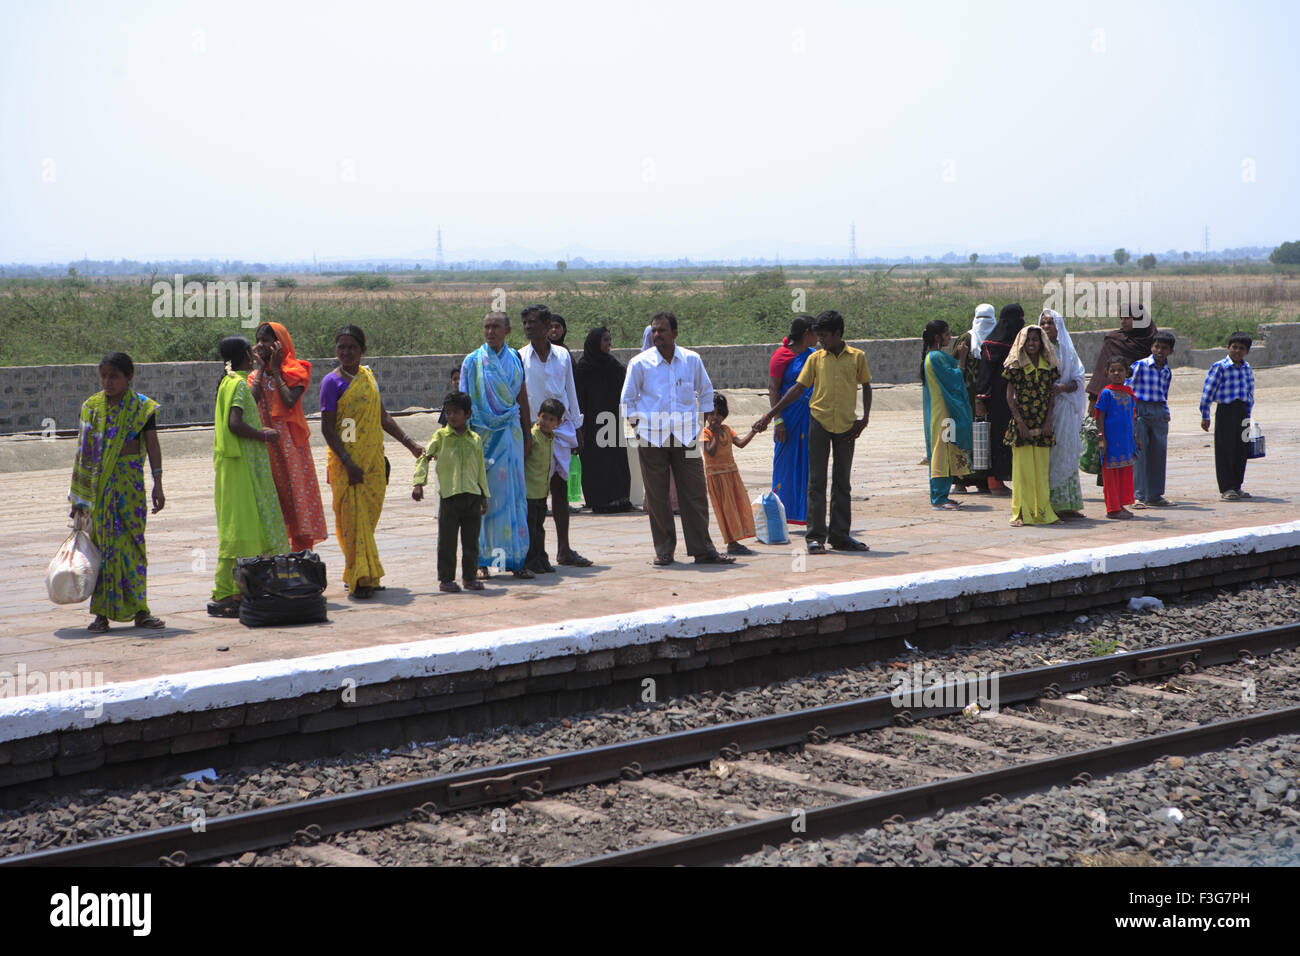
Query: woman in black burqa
{"x": 991, "y": 393}
{"x": 598, "y": 378}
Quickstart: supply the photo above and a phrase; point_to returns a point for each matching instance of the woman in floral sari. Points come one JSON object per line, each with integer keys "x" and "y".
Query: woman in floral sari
{"x": 278, "y": 381}
{"x": 353, "y": 421}
{"x": 249, "y": 522}
{"x": 493, "y": 375}
{"x": 947, "y": 414}
{"x": 108, "y": 487}
{"x": 790, "y": 454}
{"x": 1031, "y": 370}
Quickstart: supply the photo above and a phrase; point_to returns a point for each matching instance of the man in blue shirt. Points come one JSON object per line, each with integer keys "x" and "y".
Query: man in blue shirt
{"x": 1149, "y": 378}
{"x": 1231, "y": 383}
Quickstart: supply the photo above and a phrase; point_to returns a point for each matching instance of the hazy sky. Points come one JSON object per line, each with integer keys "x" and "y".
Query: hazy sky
{"x": 272, "y": 131}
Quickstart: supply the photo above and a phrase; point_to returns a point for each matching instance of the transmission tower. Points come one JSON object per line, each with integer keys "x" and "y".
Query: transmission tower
{"x": 438, "y": 260}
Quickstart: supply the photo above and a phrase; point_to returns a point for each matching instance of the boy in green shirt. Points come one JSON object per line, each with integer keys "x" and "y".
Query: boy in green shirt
{"x": 537, "y": 479}
{"x": 462, "y": 483}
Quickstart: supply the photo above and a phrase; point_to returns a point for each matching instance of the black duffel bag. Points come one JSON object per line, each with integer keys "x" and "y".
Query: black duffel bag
{"x": 281, "y": 589}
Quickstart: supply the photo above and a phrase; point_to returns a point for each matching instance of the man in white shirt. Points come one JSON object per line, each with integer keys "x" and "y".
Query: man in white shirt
{"x": 665, "y": 393}
{"x": 549, "y": 370}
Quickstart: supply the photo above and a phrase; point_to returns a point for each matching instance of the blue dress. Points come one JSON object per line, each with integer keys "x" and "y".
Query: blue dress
{"x": 790, "y": 457}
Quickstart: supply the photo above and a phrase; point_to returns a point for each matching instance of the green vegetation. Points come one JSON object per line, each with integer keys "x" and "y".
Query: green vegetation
{"x": 1103, "y": 648}
{"x": 1287, "y": 254}
{"x": 78, "y": 319}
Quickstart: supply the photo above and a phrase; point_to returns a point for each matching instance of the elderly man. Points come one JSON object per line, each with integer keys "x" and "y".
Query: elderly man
{"x": 665, "y": 393}
{"x": 548, "y": 373}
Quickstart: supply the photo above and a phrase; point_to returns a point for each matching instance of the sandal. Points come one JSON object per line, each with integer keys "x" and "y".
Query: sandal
{"x": 524, "y": 574}
{"x": 714, "y": 558}
{"x": 145, "y": 619}
{"x": 226, "y": 607}
{"x": 1017, "y": 523}
{"x": 472, "y": 584}
{"x": 816, "y": 547}
{"x": 483, "y": 574}
{"x": 662, "y": 562}
{"x": 99, "y": 625}
{"x": 572, "y": 559}
{"x": 947, "y": 506}
{"x": 737, "y": 548}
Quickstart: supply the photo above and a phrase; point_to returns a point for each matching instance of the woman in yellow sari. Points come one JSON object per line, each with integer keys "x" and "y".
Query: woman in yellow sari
{"x": 353, "y": 420}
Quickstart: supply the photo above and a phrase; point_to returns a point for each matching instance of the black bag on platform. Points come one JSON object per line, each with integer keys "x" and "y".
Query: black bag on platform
{"x": 281, "y": 589}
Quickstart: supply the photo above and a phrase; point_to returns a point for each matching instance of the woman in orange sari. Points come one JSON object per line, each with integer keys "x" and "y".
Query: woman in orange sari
{"x": 278, "y": 381}
{"x": 353, "y": 420}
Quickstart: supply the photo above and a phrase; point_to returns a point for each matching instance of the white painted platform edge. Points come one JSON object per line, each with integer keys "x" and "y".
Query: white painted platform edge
{"x": 33, "y": 714}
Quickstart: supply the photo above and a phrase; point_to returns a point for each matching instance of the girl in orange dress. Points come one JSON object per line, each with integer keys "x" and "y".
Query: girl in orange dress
{"x": 278, "y": 381}
{"x": 727, "y": 492}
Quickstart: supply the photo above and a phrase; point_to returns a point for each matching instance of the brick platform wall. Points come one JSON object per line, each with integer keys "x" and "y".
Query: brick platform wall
{"x": 393, "y": 713}
{"x": 31, "y": 396}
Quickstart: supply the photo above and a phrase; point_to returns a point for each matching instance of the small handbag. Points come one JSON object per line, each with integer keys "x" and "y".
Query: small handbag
{"x": 980, "y": 446}
{"x": 1090, "y": 440}
{"x": 73, "y": 573}
{"x": 1255, "y": 443}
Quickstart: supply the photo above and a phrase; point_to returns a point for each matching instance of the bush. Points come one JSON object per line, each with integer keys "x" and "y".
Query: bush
{"x": 1030, "y": 263}
{"x": 1147, "y": 262}
{"x": 285, "y": 282}
{"x": 369, "y": 282}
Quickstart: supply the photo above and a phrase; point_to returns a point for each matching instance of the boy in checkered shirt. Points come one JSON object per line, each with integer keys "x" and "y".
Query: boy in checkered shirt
{"x": 1231, "y": 383}
{"x": 1149, "y": 378}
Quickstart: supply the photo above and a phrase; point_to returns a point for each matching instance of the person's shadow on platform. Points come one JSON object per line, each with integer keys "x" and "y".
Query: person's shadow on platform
{"x": 123, "y": 630}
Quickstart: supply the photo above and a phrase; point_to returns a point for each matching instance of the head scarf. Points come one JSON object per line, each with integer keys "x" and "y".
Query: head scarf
{"x": 1018, "y": 356}
{"x": 1130, "y": 346}
{"x": 593, "y": 356}
{"x": 296, "y": 374}
{"x": 647, "y": 338}
{"x": 1067, "y": 410}
{"x": 981, "y": 327}
{"x": 564, "y": 326}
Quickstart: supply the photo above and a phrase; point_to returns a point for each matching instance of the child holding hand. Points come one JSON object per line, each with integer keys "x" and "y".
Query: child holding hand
{"x": 462, "y": 484}
{"x": 1116, "y": 413}
{"x": 726, "y": 490}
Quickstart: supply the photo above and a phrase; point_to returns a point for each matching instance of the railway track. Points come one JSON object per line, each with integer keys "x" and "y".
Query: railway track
{"x": 873, "y": 785}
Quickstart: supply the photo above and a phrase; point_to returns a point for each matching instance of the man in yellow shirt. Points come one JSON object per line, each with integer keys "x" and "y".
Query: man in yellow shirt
{"x": 833, "y": 373}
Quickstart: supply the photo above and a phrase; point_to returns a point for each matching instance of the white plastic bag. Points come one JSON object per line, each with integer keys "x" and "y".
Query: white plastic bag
{"x": 769, "y": 519}
{"x": 74, "y": 571}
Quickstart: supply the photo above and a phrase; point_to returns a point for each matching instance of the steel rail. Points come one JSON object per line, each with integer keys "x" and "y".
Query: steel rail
{"x": 237, "y": 833}
{"x": 719, "y": 846}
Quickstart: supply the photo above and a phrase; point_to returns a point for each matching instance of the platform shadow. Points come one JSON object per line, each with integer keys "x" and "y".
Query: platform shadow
{"x": 392, "y": 596}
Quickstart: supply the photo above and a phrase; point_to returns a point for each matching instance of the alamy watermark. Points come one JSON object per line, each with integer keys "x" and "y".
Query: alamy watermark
{"x": 176, "y": 298}
{"x": 1086, "y": 299}
{"x": 23, "y": 682}
{"x": 974, "y": 692}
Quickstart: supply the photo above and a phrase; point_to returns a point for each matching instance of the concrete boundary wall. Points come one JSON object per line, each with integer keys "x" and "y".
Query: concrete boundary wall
{"x": 472, "y": 681}
{"x": 33, "y": 396}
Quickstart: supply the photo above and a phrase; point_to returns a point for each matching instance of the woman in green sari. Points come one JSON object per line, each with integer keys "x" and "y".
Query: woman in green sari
{"x": 946, "y": 414}
{"x": 249, "y": 520}
{"x": 108, "y": 487}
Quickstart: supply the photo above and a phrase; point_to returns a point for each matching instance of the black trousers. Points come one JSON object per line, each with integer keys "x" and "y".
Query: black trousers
{"x": 536, "y": 531}
{"x": 687, "y": 468}
{"x": 820, "y": 445}
{"x": 1230, "y": 445}
{"x": 458, "y": 515}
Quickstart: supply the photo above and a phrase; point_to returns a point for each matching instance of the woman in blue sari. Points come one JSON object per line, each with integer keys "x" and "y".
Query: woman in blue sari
{"x": 790, "y": 460}
{"x": 946, "y": 412}
{"x": 493, "y": 375}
